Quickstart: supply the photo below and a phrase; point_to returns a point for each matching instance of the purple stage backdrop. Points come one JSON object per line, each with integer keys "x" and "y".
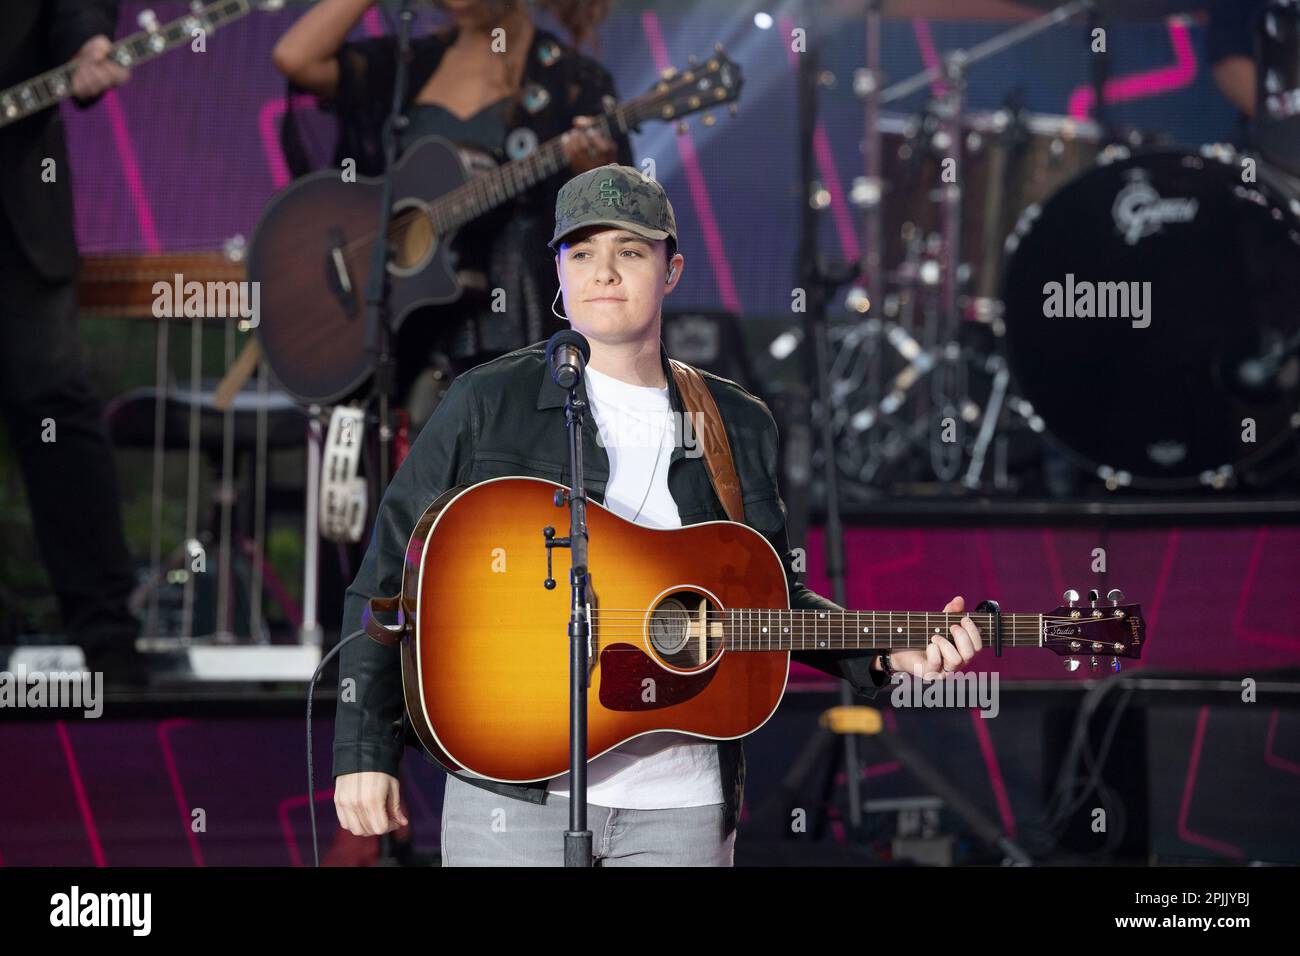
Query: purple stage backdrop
{"x": 186, "y": 155}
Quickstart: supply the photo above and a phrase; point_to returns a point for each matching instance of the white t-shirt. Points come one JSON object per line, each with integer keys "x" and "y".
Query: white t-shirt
{"x": 661, "y": 770}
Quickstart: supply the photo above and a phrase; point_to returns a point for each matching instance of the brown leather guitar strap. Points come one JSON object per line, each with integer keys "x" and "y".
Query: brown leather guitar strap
{"x": 706, "y": 424}
{"x": 385, "y": 634}
{"x": 708, "y": 430}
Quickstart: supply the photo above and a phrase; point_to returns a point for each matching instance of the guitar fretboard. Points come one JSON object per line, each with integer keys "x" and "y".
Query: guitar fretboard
{"x": 812, "y": 630}
{"x": 49, "y": 88}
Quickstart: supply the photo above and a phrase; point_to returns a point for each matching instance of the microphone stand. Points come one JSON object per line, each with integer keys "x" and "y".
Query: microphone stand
{"x": 378, "y": 316}
{"x": 577, "y": 839}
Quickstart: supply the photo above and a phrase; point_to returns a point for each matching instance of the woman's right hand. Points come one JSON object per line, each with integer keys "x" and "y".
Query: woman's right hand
{"x": 368, "y": 803}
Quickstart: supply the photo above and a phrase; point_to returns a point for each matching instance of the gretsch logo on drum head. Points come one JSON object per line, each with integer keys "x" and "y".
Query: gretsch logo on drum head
{"x": 1140, "y": 211}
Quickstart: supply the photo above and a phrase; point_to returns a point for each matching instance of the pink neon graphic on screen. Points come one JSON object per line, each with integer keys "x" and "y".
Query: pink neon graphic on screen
{"x": 131, "y": 172}
{"x": 178, "y": 791}
{"x": 282, "y": 812}
{"x": 1239, "y": 629}
{"x": 1138, "y": 86}
{"x": 1189, "y": 784}
{"x": 1272, "y": 759}
{"x": 1162, "y": 580}
{"x": 268, "y": 128}
{"x": 840, "y": 214}
{"x": 929, "y": 54}
{"x": 695, "y": 181}
{"x": 79, "y": 790}
{"x": 994, "y": 770}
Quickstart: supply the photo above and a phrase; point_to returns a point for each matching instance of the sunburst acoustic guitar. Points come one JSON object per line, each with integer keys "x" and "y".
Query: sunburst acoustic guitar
{"x": 690, "y": 630}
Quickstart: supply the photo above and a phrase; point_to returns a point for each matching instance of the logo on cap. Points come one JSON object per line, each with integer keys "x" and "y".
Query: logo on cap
{"x": 610, "y": 194}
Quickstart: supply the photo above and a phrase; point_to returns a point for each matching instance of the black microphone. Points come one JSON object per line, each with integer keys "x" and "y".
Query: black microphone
{"x": 567, "y": 353}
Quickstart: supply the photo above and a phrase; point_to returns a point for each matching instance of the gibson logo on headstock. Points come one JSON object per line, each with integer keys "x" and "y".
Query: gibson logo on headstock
{"x": 1135, "y": 625}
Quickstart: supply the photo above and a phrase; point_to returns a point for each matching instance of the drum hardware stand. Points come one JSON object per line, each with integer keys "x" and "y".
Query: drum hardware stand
{"x": 942, "y": 327}
{"x": 379, "y": 331}
{"x": 820, "y": 278}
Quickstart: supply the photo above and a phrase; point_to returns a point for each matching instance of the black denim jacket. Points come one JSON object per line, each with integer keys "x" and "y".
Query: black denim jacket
{"x": 506, "y": 417}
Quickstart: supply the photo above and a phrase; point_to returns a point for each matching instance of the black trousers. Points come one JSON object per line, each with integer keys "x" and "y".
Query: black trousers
{"x": 71, "y": 481}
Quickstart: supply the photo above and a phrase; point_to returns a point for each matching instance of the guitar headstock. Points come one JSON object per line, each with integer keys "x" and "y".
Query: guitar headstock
{"x": 1095, "y": 628}
{"x": 701, "y": 86}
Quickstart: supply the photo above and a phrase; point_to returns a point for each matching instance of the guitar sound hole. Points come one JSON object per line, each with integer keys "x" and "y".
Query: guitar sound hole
{"x": 413, "y": 237}
{"x": 680, "y": 635}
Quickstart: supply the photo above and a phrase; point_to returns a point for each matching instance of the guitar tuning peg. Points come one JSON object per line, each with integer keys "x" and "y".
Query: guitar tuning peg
{"x": 1094, "y": 665}
{"x": 1115, "y": 595}
{"x": 1071, "y": 664}
{"x": 668, "y": 73}
{"x": 708, "y": 119}
{"x": 1093, "y": 596}
{"x": 147, "y": 20}
{"x": 1070, "y": 596}
{"x": 1115, "y": 664}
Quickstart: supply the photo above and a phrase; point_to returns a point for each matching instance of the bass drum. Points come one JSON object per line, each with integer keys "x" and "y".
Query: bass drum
{"x": 1151, "y": 308}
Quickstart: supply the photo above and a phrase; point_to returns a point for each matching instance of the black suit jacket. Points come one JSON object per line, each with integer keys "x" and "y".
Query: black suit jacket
{"x": 36, "y": 35}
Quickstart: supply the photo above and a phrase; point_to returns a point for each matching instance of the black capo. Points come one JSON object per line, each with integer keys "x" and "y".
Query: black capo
{"x": 992, "y": 608}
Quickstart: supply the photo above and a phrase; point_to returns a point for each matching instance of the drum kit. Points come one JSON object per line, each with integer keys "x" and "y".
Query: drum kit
{"x": 971, "y": 218}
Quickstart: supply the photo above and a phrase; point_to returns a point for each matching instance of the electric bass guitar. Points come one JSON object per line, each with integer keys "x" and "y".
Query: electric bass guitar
{"x": 690, "y": 630}
{"x": 154, "y": 39}
{"x": 311, "y": 250}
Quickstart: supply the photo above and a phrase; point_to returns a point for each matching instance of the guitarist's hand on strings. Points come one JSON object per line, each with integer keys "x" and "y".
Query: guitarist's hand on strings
{"x": 368, "y": 803}
{"x": 95, "y": 73}
{"x": 585, "y": 147}
{"x": 942, "y": 656}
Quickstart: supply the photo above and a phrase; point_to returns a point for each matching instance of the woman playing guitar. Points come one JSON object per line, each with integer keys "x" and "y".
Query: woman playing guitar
{"x": 493, "y": 82}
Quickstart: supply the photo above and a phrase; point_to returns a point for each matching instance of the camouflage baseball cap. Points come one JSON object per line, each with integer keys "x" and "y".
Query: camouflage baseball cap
{"x": 613, "y": 195}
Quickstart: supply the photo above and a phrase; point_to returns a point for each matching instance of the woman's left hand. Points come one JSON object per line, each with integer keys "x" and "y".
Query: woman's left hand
{"x": 585, "y": 147}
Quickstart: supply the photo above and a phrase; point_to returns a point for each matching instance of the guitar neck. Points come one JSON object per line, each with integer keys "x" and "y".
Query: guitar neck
{"x": 53, "y": 86}
{"x": 485, "y": 192}
{"x": 813, "y": 630}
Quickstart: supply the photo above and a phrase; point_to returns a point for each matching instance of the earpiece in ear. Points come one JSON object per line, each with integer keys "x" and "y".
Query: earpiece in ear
{"x": 672, "y": 271}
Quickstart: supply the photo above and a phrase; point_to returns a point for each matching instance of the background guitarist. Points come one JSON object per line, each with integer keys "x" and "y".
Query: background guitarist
{"x": 44, "y": 379}
{"x": 499, "y": 102}
{"x": 663, "y": 798}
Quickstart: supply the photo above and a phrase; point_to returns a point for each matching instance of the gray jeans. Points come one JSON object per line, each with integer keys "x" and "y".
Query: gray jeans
{"x": 481, "y": 828}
